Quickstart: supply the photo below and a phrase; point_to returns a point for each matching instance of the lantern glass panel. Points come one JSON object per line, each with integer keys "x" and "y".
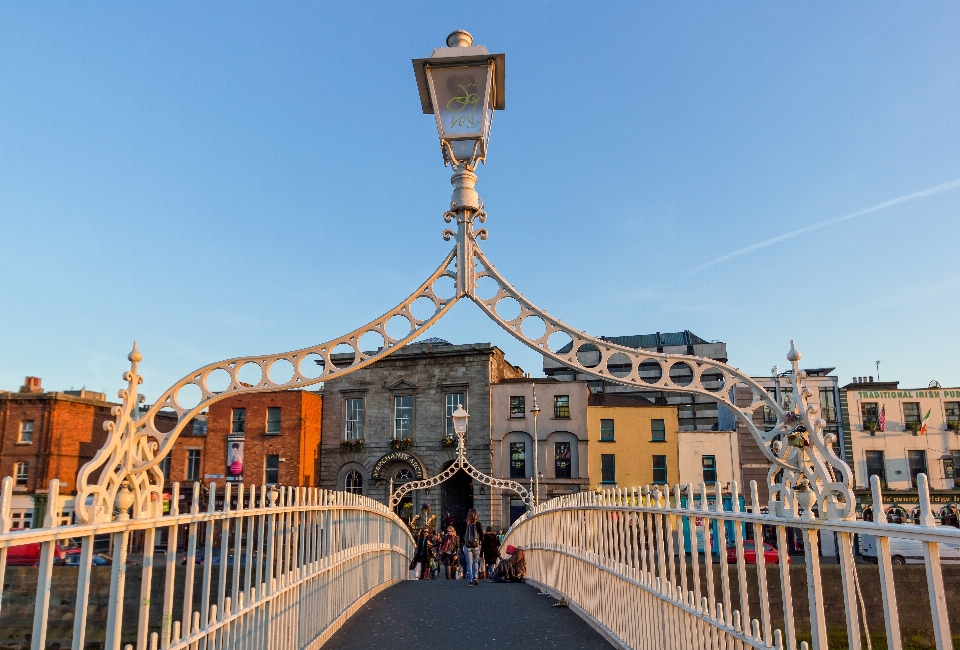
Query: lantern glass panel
{"x": 461, "y": 97}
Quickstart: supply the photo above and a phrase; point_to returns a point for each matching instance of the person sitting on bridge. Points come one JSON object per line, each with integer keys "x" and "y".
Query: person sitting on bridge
{"x": 513, "y": 568}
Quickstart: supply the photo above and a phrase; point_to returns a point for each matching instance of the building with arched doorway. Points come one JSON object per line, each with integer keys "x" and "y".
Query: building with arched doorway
{"x": 390, "y": 423}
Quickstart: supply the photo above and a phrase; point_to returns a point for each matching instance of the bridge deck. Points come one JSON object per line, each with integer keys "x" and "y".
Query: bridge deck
{"x": 419, "y": 614}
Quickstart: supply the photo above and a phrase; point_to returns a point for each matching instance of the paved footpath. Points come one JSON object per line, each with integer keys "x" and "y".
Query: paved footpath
{"x": 429, "y": 614}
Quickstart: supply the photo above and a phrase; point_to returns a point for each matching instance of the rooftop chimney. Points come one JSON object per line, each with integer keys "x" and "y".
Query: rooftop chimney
{"x": 31, "y": 385}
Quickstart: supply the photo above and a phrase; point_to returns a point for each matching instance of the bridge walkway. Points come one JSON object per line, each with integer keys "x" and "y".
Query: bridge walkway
{"x": 425, "y": 614}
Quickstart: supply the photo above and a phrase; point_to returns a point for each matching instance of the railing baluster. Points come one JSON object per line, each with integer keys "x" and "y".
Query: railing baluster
{"x": 191, "y": 562}
{"x": 741, "y": 559}
{"x": 931, "y": 560}
{"x": 891, "y": 613}
{"x": 170, "y": 570}
{"x": 47, "y": 552}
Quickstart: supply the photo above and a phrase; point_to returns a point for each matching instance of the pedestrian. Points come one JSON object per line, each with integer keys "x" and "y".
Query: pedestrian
{"x": 447, "y": 521}
{"x": 490, "y": 549}
{"x": 502, "y": 535}
{"x": 416, "y": 564}
{"x": 472, "y": 537}
{"x": 426, "y": 553}
{"x": 449, "y": 550}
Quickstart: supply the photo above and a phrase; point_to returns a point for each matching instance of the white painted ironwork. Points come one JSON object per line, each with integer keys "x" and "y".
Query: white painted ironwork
{"x": 625, "y": 559}
{"x": 460, "y": 463}
{"x": 290, "y": 564}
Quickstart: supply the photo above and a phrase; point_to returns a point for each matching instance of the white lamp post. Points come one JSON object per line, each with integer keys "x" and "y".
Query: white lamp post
{"x": 460, "y": 418}
{"x": 536, "y": 448}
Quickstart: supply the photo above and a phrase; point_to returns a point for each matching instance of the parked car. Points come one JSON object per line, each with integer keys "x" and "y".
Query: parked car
{"x": 770, "y": 554}
{"x": 73, "y": 559}
{"x": 29, "y": 554}
{"x": 903, "y": 550}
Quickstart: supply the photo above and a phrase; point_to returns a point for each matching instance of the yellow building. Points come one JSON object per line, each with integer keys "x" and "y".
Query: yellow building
{"x": 632, "y": 442}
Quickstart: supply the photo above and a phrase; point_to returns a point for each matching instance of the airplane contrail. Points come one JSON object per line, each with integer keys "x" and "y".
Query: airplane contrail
{"x": 937, "y": 189}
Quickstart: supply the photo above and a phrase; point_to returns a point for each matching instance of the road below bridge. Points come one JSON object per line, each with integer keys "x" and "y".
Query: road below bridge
{"x": 421, "y": 614}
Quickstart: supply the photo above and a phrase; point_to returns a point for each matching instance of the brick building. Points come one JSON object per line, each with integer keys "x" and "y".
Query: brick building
{"x": 261, "y": 438}
{"x": 47, "y": 435}
{"x": 400, "y": 408}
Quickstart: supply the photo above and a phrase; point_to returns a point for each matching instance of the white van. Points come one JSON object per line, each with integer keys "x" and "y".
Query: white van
{"x": 903, "y": 550}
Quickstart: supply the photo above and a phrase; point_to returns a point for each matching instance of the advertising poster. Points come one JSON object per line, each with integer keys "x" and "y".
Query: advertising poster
{"x": 234, "y": 459}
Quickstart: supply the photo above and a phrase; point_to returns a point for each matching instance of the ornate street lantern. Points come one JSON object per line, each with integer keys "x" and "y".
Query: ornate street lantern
{"x": 460, "y": 418}
{"x": 461, "y": 84}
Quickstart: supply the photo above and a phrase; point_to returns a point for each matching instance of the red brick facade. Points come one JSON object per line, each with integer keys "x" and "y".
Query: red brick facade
{"x": 296, "y": 446}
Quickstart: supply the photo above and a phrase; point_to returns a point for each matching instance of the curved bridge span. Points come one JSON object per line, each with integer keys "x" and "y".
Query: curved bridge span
{"x": 645, "y": 568}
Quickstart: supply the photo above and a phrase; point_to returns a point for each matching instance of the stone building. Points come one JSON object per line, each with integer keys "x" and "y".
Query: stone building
{"x": 388, "y": 422}
{"x": 561, "y": 434}
{"x": 264, "y": 438}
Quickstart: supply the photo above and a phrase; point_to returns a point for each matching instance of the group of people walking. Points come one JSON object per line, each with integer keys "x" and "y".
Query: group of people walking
{"x": 458, "y": 555}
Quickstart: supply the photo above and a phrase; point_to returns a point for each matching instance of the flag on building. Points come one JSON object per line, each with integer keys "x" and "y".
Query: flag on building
{"x": 882, "y": 420}
{"x": 923, "y": 423}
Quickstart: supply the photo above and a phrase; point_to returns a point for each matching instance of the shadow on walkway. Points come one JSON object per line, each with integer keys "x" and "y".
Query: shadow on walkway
{"x": 425, "y": 614}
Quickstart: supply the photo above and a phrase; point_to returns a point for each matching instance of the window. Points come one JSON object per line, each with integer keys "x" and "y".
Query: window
{"x": 608, "y": 468}
{"x": 518, "y": 459}
{"x": 956, "y": 466}
{"x": 199, "y": 427}
{"x": 876, "y": 467}
{"x": 911, "y": 412}
{"x": 193, "y": 464}
{"x": 26, "y": 432}
{"x": 165, "y": 468}
{"x": 271, "y": 469}
{"x": 21, "y": 472}
{"x": 273, "y": 420}
{"x": 451, "y": 402}
{"x": 561, "y": 454}
{"x": 606, "y": 430}
{"x": 403, "y": 475}
{"x": 354, "y": 419}
{"x": 769, "y": 417}
{"x": 518, "y": 408}
{"x": 239, "y": 421}
{"x": 561, "y": 407}
{"x": 21, "y": 520}
{"x": 709, "y": 469}
{"x": 353, "y": 482}
{"x": 869, "y": 413}
{"x": 952, "y": 410}
{"x": 403, "y": 417}
{"x": 918, "y": 464}
{"x": 660, "y": 469}
{"x": 828, "y": 404}
{"x": 658, "y": 432}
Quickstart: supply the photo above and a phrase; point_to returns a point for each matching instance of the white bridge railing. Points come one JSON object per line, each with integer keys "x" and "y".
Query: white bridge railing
{"x": 623, "y": 559}
{"x": 260, "y": 568}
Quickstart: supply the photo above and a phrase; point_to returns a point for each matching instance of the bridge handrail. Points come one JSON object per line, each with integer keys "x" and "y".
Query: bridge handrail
{"x": 602, "y": 551}
{"x": 279, "y": 545}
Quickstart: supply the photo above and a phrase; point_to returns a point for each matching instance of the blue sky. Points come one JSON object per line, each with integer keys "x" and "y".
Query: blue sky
{"x": 223, "y": 179}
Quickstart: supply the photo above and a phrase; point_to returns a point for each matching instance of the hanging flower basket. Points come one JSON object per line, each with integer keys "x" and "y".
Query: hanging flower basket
{"x": 913, "y": 427}
{"x": 351, "y": 446}
{"x": 954, "y": 426}
{"x": 402, "y": 443}
{"x": 448, "y": 442}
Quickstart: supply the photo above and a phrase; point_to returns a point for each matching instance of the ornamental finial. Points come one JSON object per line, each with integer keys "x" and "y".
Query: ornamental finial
{"x": 135, "y": 355}
{"x": 793, "y": 355}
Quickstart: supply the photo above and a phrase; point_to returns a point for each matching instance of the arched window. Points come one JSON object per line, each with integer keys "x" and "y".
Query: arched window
{"x": 403, "y": 476}
{"x": 353, "y": 482}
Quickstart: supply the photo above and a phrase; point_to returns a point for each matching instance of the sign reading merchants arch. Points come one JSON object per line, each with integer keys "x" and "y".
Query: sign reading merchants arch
{"x": 398, "y": 457}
